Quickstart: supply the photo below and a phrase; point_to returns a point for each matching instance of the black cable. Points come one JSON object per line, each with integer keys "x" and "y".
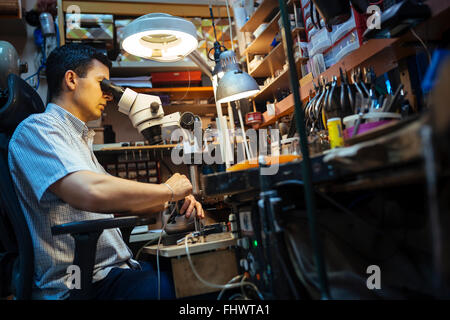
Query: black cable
{"x": 213, "y": 24}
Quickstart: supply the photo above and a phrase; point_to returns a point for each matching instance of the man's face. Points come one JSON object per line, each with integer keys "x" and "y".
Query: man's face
{"x": 88, "y": 96}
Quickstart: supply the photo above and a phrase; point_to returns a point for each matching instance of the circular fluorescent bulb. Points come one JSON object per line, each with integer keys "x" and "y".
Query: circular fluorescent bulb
{"x": 160, "y": 37}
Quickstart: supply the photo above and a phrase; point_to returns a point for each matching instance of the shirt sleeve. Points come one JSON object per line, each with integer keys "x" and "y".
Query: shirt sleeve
{"x": 42, "y": 154}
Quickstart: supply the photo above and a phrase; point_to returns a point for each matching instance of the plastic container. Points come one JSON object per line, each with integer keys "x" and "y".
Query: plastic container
{"x": 346, "y": 45}
{"x": 307, "y": 11}
{"x": 290, "y": 146}
{"x": 330, "y": 58}
{"x": 320, "y": 42}
{"x": 309, "y": 24}
{"x": 342, "y": 29}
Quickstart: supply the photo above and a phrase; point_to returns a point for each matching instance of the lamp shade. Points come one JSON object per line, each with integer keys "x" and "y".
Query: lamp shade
{"x": 235, "y": 84}
{"x": 160, "y": 37}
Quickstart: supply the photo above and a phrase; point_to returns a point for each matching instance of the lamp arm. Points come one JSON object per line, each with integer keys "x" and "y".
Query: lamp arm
{"x": 200, "y": 62}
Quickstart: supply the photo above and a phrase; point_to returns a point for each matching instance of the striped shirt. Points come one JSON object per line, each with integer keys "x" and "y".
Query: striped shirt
{"x": 44, "y": 148}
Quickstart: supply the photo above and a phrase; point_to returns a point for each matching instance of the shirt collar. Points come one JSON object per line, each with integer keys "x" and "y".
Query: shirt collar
{"x": 75, "y": 123}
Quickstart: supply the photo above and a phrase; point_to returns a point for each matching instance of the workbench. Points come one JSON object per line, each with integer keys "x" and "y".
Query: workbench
{"x": 214, "y": 260}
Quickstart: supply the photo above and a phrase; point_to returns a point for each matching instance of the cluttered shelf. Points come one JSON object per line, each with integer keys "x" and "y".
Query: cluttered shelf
{"x": 358, "y": 57}
{"x": 273, "y": 61}
{"x": 258, "y": 17}
{"x": 260, "y": 44}
{"x": 261, "y": 13}
{"x": 281, "y": 80}
{"x": 266, "y": 36}
{"x": 380, "y": 54}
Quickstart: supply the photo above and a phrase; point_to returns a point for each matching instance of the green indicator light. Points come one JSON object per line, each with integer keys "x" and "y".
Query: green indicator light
{"x": 255, "y": 243}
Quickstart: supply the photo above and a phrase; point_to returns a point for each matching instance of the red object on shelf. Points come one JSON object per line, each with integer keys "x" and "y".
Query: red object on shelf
{"x": 253, "y": 118}
{"x": 174, "y": 79}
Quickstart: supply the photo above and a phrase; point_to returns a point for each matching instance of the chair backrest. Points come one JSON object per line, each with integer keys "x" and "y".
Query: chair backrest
{"x": 16, "y": 249}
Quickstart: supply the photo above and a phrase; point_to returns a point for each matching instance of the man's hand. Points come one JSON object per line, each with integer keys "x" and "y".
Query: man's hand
{"x": 180, "y": 185}
{"x": 188, "y": 206}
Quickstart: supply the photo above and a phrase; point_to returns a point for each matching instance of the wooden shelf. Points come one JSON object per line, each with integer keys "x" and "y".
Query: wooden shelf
{"x": 273, "y": 61}
{"x": 381, "y": 54}
{"x": 258, "y": 17}
{"x": 197, "y": 109}
{"x": 137, "y": 8}
{"x": 261, "y": 45}
{"x": 176, "y": 94}
{"x": 280, "y": 82}
{"x": 146, "y": 66}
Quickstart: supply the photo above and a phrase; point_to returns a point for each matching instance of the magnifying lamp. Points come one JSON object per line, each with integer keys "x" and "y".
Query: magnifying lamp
{"x": 160, "y": 37}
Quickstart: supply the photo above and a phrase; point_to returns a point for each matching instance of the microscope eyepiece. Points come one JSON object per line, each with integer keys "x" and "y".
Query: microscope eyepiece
{"x": 109, "y": 87}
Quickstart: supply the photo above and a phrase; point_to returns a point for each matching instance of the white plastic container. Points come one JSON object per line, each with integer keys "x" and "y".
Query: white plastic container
{"x": 330, "y": 58}
{"x": 307, "y": 11}
{"x": 347, "y": 45}
{"x": 320, "y": 42}
{"x": 309, "y": 23}
{"x": 342, "y": 29}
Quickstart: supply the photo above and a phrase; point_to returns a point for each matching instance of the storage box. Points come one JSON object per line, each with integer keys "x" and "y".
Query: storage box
{"x": 320, "y": 42}
{"x": 349, "y": 43}
{"x": 174, "y": 79}
{"x": 342, "y": 29}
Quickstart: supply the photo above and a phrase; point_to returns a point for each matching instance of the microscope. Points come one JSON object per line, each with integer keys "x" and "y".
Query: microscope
{"x": 147, "y": 116}
{"x": 145, "y": 111}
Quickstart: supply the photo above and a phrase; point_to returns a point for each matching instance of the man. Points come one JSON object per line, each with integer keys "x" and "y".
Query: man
{"x": 59, "y": 180}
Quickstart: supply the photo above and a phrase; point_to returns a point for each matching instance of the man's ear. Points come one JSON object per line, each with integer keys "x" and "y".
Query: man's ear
{"x": 70, "y": 80}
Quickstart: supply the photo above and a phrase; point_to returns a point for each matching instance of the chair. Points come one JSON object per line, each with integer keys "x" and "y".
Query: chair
{"x": 16, "y": 248}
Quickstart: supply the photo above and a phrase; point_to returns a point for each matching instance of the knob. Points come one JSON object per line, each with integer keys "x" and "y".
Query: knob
{"x": 154, "y": 107}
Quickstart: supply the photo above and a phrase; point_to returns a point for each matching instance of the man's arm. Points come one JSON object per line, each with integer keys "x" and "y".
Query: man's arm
{"x": 90, "y": 191}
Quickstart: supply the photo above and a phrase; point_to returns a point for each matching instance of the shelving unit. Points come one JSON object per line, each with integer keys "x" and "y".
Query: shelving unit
{"x": 381, "y": 54}
{"x": 258, "y": 17}
{"x": 146, "y": 66}
{"x": 181, "y": 94}
{"x": 280, "y": 82}
{"x": 176, "y": 94}
{"x": 274, "y": 59}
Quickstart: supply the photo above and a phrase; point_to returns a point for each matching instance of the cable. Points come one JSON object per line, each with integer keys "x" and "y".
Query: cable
{"x": 157, "y": 251}
{"x": 231, "y": 281}
{"x": 234, "y": 296}
{"x": 213, "y": 285}
{"x": 423, "y": 44}
{"x": 188, "y": 89}
{"x": 229, "y": 22}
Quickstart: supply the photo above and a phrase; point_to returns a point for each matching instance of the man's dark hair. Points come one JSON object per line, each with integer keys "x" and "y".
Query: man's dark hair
{"x": 76, "y": 57}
